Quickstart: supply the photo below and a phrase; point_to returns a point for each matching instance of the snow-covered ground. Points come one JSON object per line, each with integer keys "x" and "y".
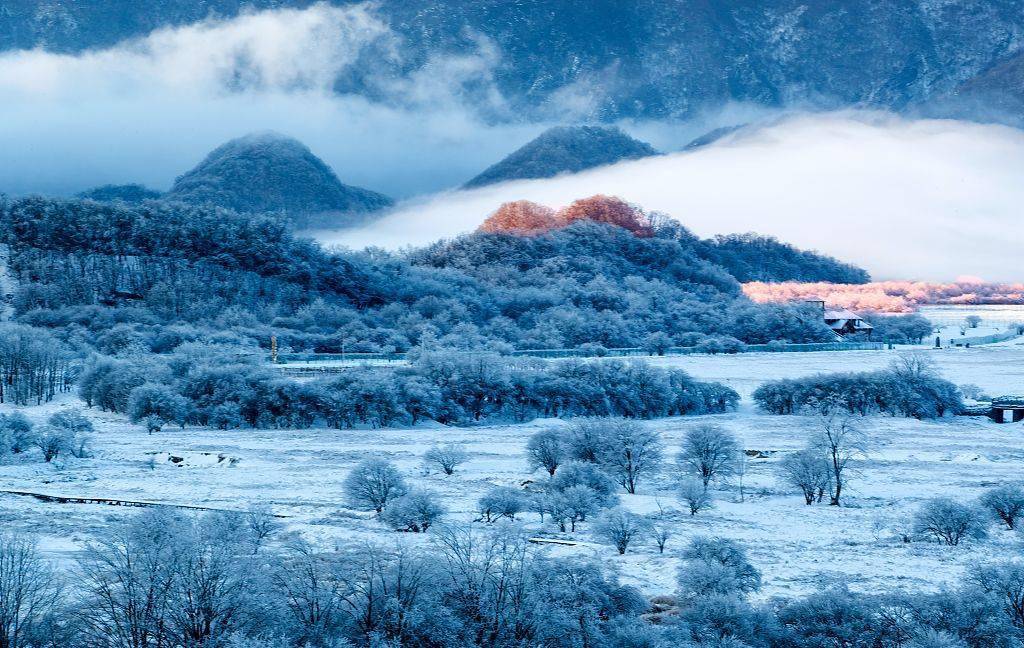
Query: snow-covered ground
{"x": 796, "y": 546}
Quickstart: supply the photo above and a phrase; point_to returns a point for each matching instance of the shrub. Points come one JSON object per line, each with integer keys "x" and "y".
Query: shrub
{"x": 415, "y": 511}
{"x": 948, "y": 521}
{"x": 15, "y": 433}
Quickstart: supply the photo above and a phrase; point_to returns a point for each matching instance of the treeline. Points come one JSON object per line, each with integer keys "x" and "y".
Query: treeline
{"x": 233, "y": 580}
{"x": 85, "y": 267}
{"x": 910, "y": 387}
{"x": 752, "y": 257}
{"x": 34, "y": 365}
{"x": 203, "y": 385}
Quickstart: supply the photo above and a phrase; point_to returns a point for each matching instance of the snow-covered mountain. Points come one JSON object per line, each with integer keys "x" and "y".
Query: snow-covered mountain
{"x": 644, "y": 58}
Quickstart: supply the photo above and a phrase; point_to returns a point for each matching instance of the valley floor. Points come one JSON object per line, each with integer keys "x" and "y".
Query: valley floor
{"x": 796, "y": 546}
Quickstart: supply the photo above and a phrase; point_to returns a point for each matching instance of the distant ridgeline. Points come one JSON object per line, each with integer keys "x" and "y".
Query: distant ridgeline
{"x": 637, "y": 58}
{"x": 263, "y": 173}
{"x": 114, "y": 277}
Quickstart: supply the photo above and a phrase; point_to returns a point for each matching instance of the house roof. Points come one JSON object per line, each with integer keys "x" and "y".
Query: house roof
{"x": 841, "y": 314}
{"x": 838, "y": 319}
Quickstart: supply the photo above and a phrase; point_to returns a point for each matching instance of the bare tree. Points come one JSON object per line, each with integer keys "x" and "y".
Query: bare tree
{"x": 208, "y": 591}
{"x": 373, "y": 483}
{"x": 661, "y": 533}
{"x": 128, "y": 580}
{"x": 841, "y": 441}
{"x": 709, "y": 452}
{"x": 309, "y": 583}
{"x": 809, "y": 471}
{"x": 261, "y": 522}
{"x": 28, "y": 590}
{"x": 620, "y": 527}
{"x": 546, "y": 450}
{"x": 630, "y": 452}
{"x": 447, "y": 457}
{"x": 694, "y": 494}
{"x": 913, "y": 367}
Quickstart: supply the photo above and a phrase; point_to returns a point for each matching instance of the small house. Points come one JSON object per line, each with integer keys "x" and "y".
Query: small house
{"x": 843, "y": 321}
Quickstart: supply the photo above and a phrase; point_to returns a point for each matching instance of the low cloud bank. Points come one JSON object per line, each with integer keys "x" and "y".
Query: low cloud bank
{"x": 927, "y": 199}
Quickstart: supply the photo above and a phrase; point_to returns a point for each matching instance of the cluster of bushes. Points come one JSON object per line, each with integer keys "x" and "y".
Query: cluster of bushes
{"x": 230, "y": 580}
{"x": 66, "y": 434}
{"x": 951, "y": 522}
{"x": 900, "y": 329}
{"x": 909, "y": 387}
{"x": 205, "y": 385}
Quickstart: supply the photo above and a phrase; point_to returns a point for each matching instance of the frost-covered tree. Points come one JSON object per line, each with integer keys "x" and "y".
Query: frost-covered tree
{"x": 373, "y": 483}
{"x": 841, "y": 441}
{"x": 661, "y": 533}
{"x": 501, "y": 502}
{"x": 807, "y": 470}
{"x": 709, "y": 452}
{"x": 629, "y": 452}
{"x": 620, "y": 527}
{"x": 694, "y": 495}
{"x": 545, "y": 449}
{"x": 29, "y": 591}
{"x": 159, "y": 401}
{"x": 414, "y": 511}
{"x": 261, "y": 523}
{"x": 573, "y": 505}
{"x": 1004, "y": 503}
{"x": 575, "y": 473}
{"x": 447, "y": 457}
{"x": 16, "y": 434}
{"x": 716, "y": 566}
{"x": 948, "y": 521}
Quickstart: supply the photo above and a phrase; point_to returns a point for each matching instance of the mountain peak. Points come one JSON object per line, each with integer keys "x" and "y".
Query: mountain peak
{"x": 564, "y": 149}
{"x": 270, "y": 172}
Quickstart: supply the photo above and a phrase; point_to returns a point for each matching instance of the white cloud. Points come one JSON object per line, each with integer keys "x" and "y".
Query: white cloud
{"x": 906, "y": 199}
{"x": 149, "y": 109}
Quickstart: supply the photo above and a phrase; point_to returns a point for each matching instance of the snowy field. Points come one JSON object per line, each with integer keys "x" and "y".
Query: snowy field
{"x": 796, "y": 546}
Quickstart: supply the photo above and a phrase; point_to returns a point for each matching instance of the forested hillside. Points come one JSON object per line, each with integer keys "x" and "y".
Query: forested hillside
{"x": 152, "y": 275}
{"x": 270, "y": 173}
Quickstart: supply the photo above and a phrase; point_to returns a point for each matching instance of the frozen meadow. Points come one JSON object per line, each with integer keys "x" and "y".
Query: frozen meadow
{"x": 797, "y": 547}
